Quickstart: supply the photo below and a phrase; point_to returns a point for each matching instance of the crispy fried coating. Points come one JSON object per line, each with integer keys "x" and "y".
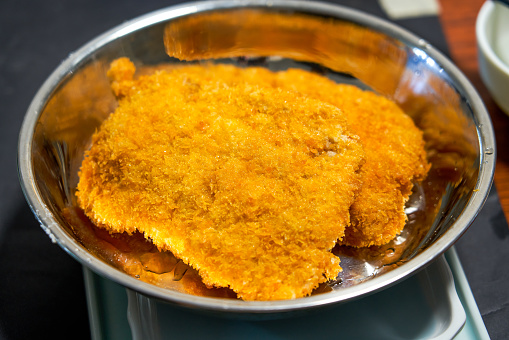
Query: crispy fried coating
{"x": 395, "y": 155}
{"x": 249, "y": 185}
{"x": 394, "y": 146}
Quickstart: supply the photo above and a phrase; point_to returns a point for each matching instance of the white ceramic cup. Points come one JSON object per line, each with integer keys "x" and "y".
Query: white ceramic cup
{"x": 492, "y": 32}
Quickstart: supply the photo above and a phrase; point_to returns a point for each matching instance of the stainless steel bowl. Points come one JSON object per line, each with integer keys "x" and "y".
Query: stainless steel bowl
{"x": 344, "y": 44}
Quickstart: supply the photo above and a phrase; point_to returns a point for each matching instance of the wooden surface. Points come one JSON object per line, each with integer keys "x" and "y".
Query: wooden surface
{"x": 458, "y": 21}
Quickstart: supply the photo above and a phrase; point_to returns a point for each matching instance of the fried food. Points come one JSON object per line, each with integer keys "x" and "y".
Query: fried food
{"x": 395, "y": 155}
{"x": 394, "y": 146}
{"x": 250, "y": 185}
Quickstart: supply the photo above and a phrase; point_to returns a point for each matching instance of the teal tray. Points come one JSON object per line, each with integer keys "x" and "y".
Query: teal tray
{"x": 436, "y": 303}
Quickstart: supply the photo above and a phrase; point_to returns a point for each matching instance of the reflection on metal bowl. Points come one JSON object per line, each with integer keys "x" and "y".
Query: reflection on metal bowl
{"x": 345, "y": 45}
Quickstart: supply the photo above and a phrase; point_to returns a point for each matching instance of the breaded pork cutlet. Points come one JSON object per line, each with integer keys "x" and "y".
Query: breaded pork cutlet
{"x": 250, "y": 185}
{"x": 395, "y": 155}
{"x": 394, "y": 146}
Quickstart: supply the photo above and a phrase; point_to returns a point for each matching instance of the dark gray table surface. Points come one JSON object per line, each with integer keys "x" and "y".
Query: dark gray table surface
{"x": 41, "y": 287}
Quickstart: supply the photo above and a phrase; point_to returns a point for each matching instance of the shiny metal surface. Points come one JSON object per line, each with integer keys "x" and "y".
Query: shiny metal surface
{"x": 344, "y": 44}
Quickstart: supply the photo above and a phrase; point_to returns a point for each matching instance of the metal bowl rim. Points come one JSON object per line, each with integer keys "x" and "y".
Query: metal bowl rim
{"x": 71, "y": 246}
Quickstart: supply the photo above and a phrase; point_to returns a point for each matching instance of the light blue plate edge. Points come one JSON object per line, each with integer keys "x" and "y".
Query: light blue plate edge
{"x": 474, "y": 327}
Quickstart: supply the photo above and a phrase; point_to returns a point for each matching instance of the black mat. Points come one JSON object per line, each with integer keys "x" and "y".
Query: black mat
{"x": 41, "y": 287}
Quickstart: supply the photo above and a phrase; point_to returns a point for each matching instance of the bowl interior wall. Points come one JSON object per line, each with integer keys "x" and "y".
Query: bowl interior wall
{"x": 342, "y": 50}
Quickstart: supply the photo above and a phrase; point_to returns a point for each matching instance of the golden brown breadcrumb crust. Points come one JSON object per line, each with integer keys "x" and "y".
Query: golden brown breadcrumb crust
{"x": 395, "y": 155}
{"x": 251, "y": 185}
{"x": 394, "y": 146}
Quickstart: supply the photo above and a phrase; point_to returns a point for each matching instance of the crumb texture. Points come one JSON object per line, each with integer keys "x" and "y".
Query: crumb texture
{"x": 249, "y": 182}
